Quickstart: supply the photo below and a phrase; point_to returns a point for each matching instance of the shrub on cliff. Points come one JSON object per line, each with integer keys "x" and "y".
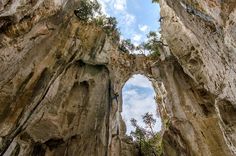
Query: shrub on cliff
{"x": 87, "y": 9}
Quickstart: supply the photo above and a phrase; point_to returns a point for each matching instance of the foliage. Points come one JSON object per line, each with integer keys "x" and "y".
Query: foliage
{"x": 126, "y": 46}
{"x": 90, "y": 11}
{"x": 152, "y": 45}
{"x": 142, "y": 47}
{"x": 148, "y": 141}
{"x": 150, "y": 122}
{"x": 110, "y": 25}
{"x": 87, "y": 9}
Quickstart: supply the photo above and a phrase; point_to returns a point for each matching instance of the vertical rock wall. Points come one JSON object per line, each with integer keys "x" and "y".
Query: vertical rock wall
{"x": 201, "y": 36}
{"x": 54, "y": 84}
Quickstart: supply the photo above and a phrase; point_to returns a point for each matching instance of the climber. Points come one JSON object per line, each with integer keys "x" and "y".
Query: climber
{"x": 116, "y": 95}
{"x": 190, "y": 9}
{"x": 161, "y": 19}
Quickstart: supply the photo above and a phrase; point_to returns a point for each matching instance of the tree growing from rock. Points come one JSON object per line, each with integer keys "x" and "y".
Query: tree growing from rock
{"x": 87, "y": 9}
{"x": 126, "y": 46}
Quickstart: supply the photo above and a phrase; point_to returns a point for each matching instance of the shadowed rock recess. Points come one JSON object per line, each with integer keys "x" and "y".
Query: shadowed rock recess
{"x": 58, "y": 77}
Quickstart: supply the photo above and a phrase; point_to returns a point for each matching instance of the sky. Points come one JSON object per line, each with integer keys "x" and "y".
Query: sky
{"x": 135, "y": 19}
{"x": 138, "y": 99}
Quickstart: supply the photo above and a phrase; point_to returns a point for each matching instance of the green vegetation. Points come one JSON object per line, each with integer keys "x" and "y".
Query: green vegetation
{"x": 148, "y": 141}
{"x": 90, "y": 12}
{"x": 87, "y": 10}
{"x": 126, "y": 46}
{"x": 152, "y": 45}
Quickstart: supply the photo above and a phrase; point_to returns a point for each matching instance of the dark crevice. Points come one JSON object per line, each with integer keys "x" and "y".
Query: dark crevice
{"x": 54, "y": 143}
{"x": 227, "y": 112}
{"x": 205, "y": 110}
{"x": 24, "y": 83}
{"x": 38, "y": 150}
{"x": 5, "y": 23}
{"x": 108, "y": 116}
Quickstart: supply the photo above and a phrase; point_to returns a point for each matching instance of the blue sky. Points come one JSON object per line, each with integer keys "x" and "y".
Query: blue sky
{"x": 135, "y": 19}
{"x": 138, "y": 98}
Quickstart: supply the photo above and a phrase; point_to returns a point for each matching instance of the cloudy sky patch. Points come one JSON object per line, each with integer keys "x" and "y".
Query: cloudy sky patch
{"x": 138, "y": 99}
{"x": 135, "y": 17}
{"x": 143, "y": 28}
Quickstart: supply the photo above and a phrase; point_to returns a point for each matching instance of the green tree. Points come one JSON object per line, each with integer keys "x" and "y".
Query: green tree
{"x": 87, "y": 9}
{"x": 149, "y": 141}
{"x": 152, "y": 45}
{"x": 150, "y": 122}
{"x": 110, "y": 25}
{"x": 126, "y": 46}
{"x": 139, "y": 135}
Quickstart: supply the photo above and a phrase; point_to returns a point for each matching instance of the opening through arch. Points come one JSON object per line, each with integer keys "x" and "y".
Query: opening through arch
{"x": 138, "y": 99}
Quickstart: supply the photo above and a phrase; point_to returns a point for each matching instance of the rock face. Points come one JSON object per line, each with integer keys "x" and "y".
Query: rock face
{"x": 59, "y": 76}
{"x": 201, "y": 36}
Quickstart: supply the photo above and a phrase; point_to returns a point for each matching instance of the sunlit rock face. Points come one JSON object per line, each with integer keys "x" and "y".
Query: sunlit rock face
{"x": 59, "y": 76}
{"x": 201, "y": 36}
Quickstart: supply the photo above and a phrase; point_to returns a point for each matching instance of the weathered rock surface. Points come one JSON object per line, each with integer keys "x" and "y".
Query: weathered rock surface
{"x": 59, "y": 75}
{"x": 201, "y": 36}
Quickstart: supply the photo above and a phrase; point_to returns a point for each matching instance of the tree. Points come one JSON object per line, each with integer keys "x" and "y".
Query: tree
{"x": 150, "y": 122}
{"x": 149, "y": 145}
{"x": 141, "y": 48}
{"x": 138, "y": 135}
{"x": 126, "y": 46}
{"x": 110, "y": 25}
{"x": 87, "y": 9}
{"x": 152, "y": 45}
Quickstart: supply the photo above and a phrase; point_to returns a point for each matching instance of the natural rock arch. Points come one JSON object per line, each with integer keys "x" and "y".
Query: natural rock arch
{"x": 54, "y": 69}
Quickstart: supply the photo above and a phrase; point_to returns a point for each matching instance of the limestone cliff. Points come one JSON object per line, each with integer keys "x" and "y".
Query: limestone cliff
{"x": 59, "y": 75}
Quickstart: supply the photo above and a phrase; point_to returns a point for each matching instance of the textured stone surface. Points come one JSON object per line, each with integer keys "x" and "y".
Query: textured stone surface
{"x": 201, "y": 35}
{"x": 59, "y": 75}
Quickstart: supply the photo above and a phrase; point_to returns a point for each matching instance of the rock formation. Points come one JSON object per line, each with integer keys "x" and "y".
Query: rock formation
{"x": 59, "y": 76}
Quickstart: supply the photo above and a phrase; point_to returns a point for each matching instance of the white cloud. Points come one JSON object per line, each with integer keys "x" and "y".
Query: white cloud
{"x": 110, "y": 5}
{"x": 137, "y": 37}
{"x": 104, "y": 4}
{"x": 143, "y": 28}
{"x": 136, "y": 104}
{"x": 139, "y": 81}
{"x": 118, "y": 8}
{"x": 128, "y": 19}
{"x": 120, "y": 5}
